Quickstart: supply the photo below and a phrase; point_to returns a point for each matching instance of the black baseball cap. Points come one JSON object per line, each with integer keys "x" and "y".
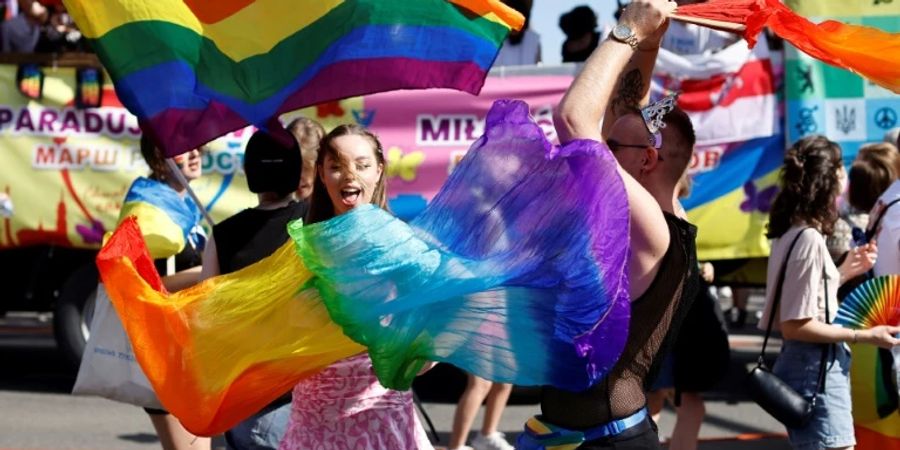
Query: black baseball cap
{"x": 271, "y": 166}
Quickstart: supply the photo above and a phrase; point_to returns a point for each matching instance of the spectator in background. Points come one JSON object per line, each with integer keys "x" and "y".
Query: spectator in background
{"x": 21, "y": 33}
{"x": 59, "y": 34}
{"x": 42, "y": 27}
{"x": 876, "y": 167}
{"x": 887, "y": 233}
{"x": 273, "y": 173}
{"x": 308, "y": 133}
{"x": 580, "y": 27}
{"x": 521, "y": 48}
{"x": 477, "y": 390}
{"x": 8, "y": 9}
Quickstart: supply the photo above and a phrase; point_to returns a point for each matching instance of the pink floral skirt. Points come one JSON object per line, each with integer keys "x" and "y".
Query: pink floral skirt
{"x": 345, "y": 408}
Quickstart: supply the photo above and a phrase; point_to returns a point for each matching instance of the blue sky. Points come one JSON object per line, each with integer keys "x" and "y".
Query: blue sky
{"x": 545, "y": 20}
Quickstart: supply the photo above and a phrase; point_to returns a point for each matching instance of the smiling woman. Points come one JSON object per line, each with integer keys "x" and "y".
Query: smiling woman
{"x": 349, "y": 173}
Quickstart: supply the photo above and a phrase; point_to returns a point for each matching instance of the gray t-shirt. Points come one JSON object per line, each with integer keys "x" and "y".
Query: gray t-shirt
{"x": 803, "y": 294}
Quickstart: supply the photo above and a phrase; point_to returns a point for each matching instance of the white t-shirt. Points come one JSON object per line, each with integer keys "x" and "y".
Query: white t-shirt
{"x": 690, "y": 39}
{"x": 888, "y": 239}
{"x": 803, "y": 293}
{"x": 527, "y": 52}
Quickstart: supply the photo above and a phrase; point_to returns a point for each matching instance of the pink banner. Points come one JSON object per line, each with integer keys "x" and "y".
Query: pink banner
{"x": 425, "y": 133}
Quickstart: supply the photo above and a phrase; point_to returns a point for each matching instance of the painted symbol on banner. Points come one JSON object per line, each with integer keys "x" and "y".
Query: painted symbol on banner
{"x": 364, "y": 117}
{"x": 807, "y": 121}
{"x": 806, "y": 74}
{"x": 756, "y": 200}
{"x": 324, "y": 110}
{"x": 886, "y": 118}
{"x": 405, "y": 166}
{"x": 845, "y": 119}
{"x": 882, "y": 2}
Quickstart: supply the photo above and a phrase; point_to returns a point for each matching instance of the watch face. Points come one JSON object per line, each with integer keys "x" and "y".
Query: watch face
{"x": 622, "y": 32}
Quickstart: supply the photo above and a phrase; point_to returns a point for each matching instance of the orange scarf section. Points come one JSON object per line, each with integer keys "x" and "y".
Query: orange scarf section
{"x": 866, "y": 51}
{"x": 223, "y": 349}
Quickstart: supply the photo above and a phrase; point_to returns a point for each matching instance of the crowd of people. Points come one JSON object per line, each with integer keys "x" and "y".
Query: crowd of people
{"x": 38, "y": 26}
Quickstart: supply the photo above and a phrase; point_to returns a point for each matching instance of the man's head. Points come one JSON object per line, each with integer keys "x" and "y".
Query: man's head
{"x": 630, "y": 141}
{"x": 271, "y": 166}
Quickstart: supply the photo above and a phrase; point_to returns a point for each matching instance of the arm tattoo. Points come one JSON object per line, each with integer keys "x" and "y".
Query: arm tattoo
{"x": 630, "y": 93}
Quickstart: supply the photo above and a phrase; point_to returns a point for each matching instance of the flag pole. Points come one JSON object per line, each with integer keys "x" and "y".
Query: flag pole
{"x": 710, "y": 23}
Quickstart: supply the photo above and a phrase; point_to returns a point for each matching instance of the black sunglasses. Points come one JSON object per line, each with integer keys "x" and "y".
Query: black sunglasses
{"x": 615, "y": 146}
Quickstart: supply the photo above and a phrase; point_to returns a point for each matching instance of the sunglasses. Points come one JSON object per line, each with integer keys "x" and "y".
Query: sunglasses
{"x": 615, "y": 146}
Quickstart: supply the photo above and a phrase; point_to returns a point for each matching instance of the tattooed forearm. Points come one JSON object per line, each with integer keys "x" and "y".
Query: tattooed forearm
{"x": 630, "y": 92}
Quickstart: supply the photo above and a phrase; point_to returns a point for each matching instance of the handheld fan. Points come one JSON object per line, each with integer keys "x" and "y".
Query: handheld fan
{"x": 875, "y": 302}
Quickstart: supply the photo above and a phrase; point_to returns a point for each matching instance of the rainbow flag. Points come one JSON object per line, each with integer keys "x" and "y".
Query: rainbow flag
{"x": 193, "y": 70}
{"x": 864, "y": 50}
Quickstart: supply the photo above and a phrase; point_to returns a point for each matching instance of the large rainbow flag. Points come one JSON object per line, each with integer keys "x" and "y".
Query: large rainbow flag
{"x": 193, "y": 70}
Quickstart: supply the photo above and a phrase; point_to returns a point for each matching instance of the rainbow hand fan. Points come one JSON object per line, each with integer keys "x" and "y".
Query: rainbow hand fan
{"x": 875, "y": 302}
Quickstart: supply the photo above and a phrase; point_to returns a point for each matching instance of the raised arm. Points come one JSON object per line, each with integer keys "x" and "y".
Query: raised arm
{"x": 593, "y": 93}
{"x": 633, "y": 87}
{"x": 616, "y": 75}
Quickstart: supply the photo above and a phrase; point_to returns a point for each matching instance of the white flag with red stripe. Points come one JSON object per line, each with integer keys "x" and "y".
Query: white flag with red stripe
{"x": 729, "y": 94}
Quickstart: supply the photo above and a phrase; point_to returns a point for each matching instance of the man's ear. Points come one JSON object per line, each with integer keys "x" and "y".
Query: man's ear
{"x": 651, "y": 159}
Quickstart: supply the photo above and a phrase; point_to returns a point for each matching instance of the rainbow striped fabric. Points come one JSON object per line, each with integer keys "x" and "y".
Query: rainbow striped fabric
{"x": 193, "y": 70}
{"x": 523, "y": 283}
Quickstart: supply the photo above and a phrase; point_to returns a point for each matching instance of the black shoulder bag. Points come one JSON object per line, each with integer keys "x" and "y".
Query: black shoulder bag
{"x": 770, "y": 392}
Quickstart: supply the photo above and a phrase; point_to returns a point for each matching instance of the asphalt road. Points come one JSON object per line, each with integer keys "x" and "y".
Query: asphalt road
{"x": 37, "y": 412}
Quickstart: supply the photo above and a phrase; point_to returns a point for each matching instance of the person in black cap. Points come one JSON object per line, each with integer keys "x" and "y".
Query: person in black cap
{"x": 580, "y": 27}
{"x": 273, "y": 173}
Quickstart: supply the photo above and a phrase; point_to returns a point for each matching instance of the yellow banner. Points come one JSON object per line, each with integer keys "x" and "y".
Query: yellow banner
{"x": 66, "y": 170}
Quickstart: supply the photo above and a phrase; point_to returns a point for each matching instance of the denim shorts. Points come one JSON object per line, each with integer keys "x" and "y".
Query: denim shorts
{"x": 262, "y": 431}
{"x": 832, "y": 422}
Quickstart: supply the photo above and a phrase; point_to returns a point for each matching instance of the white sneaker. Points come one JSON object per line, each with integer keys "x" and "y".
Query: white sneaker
{"x": 493, "y": 441}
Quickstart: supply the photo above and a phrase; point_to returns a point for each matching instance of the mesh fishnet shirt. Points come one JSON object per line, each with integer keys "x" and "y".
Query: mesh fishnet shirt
{"x": 661, "y": 308}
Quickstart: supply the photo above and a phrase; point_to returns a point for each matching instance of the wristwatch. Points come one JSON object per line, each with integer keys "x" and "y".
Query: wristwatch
{"x": 623, "y": 33}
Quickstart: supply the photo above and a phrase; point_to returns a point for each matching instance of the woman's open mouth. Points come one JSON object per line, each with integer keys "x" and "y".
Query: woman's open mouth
{"x": 349, "y": 196}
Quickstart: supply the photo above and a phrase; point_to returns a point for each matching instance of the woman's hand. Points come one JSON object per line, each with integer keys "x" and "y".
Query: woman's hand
{"x": 881, "y": 336}
{"x": 859, "y": 261}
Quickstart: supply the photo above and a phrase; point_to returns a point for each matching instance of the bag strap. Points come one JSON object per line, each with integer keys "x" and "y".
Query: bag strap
{"x": 777, "y": 298}
{"x": 820, "y": 384}
{"x": 870, "y": 233}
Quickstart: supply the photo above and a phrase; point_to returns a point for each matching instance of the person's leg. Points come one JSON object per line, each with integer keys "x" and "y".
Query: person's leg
{"x": 496, "y": 403}
{"x": 173, "y": 436}
{"x": 466, "y": 410}
{"x": 490, "y": 438}
{"x": 656, "y": 399}
{"x": 740, "y": 297}
{"x": 688, "y": 420}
